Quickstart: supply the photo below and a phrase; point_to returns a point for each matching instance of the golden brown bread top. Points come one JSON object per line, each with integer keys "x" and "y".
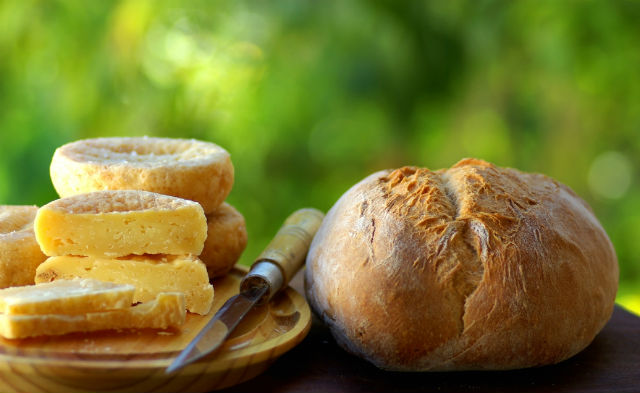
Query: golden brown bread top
{"x": 471, "y": 205}
{"x": 472, "y": 267}
{"x": 143, "y": 151}
{"x": 114, "y": 201}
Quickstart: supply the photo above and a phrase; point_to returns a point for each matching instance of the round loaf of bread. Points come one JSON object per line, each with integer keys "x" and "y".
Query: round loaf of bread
{"x": 20, "y": 253}
{"x": 470, "y": 268}
{"x": 188, "y": 169}
{"x": 226, "y": 240}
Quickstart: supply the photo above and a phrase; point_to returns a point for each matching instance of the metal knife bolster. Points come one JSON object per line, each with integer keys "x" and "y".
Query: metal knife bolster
{"x": 263, "y": 274}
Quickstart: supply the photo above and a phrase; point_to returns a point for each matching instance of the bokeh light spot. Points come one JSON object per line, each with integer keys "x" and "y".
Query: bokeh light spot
{"x": 610, "y": 175}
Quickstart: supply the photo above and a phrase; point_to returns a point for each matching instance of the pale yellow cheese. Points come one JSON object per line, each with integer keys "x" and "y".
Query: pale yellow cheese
{"x": 116, "y": 223}
{"x": 150, "y": 274}
{"x": 167, "y": 310}
{"x": 66, "y": 297}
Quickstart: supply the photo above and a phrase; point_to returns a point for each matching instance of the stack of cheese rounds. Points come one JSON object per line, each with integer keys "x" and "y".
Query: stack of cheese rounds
{"x": 141, "y": 228}
{"x": 133, "y": 237}
{"x": 189, "y": 169}
{"x": 141, "y": 211}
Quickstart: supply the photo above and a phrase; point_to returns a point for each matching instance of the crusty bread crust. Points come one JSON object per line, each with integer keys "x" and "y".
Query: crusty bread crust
{"x": 20, "y": 253}
{"x": 474, "y": 267}
{"x": 190, "y": 169}
{"x": 226, "y": 240}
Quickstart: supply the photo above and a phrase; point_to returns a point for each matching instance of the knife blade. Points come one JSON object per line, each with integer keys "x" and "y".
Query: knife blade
{"x": 271, "y": 272}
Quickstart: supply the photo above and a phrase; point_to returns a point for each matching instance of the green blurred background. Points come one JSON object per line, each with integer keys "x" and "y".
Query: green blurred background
{"x": 309, "y": 97}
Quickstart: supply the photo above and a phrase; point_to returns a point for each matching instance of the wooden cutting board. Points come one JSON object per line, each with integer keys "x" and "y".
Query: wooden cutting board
{"x": 134, "y": 360}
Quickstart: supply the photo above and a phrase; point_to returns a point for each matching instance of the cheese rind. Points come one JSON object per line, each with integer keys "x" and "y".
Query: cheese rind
{"x": 20, "y": 254}
{"x": 226, "y": 240}
{"x": 187, "y": 168}
{"x": 149, "y": 274}
{"x": 121, "y": 222}
{"x": 167, "y": 310}
{"x": 66, "y": 297}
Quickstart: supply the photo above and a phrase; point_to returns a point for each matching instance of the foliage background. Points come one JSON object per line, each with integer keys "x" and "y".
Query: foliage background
{"x": 309, "y": 97}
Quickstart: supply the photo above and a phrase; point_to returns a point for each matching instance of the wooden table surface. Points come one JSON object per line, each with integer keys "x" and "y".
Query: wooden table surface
{"x": 610, "y": 364}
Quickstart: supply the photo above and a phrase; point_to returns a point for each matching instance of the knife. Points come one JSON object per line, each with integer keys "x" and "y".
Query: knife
{"x": 271, "y": 272}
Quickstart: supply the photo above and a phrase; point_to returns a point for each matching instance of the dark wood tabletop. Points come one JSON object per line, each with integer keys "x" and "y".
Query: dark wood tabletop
{"x": 610, "y": 364}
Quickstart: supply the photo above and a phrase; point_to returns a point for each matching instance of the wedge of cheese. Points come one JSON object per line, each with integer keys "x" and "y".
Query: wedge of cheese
{"x": 66, "y": 297}
{"x": 149, "y": 274}
{"x": 167, "y": 310}
{"x": 116, "y": 223}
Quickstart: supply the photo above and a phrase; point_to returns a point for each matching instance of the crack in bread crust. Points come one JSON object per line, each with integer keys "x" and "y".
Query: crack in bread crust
{"x": 440, "y": 202}
{"x": 450, "y": 192}
{"x": 470, "y": 271}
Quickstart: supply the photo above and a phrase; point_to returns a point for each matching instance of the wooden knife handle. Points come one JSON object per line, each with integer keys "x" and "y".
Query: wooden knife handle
{"x": 289, "y": 247}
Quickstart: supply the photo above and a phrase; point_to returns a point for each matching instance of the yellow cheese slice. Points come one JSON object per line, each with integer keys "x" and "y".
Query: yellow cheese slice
{"x": 167, "y": 310}
{"x": 66, "y": 297}
{"x": 150, "y": 274}
{"x": 116, "y": 223}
